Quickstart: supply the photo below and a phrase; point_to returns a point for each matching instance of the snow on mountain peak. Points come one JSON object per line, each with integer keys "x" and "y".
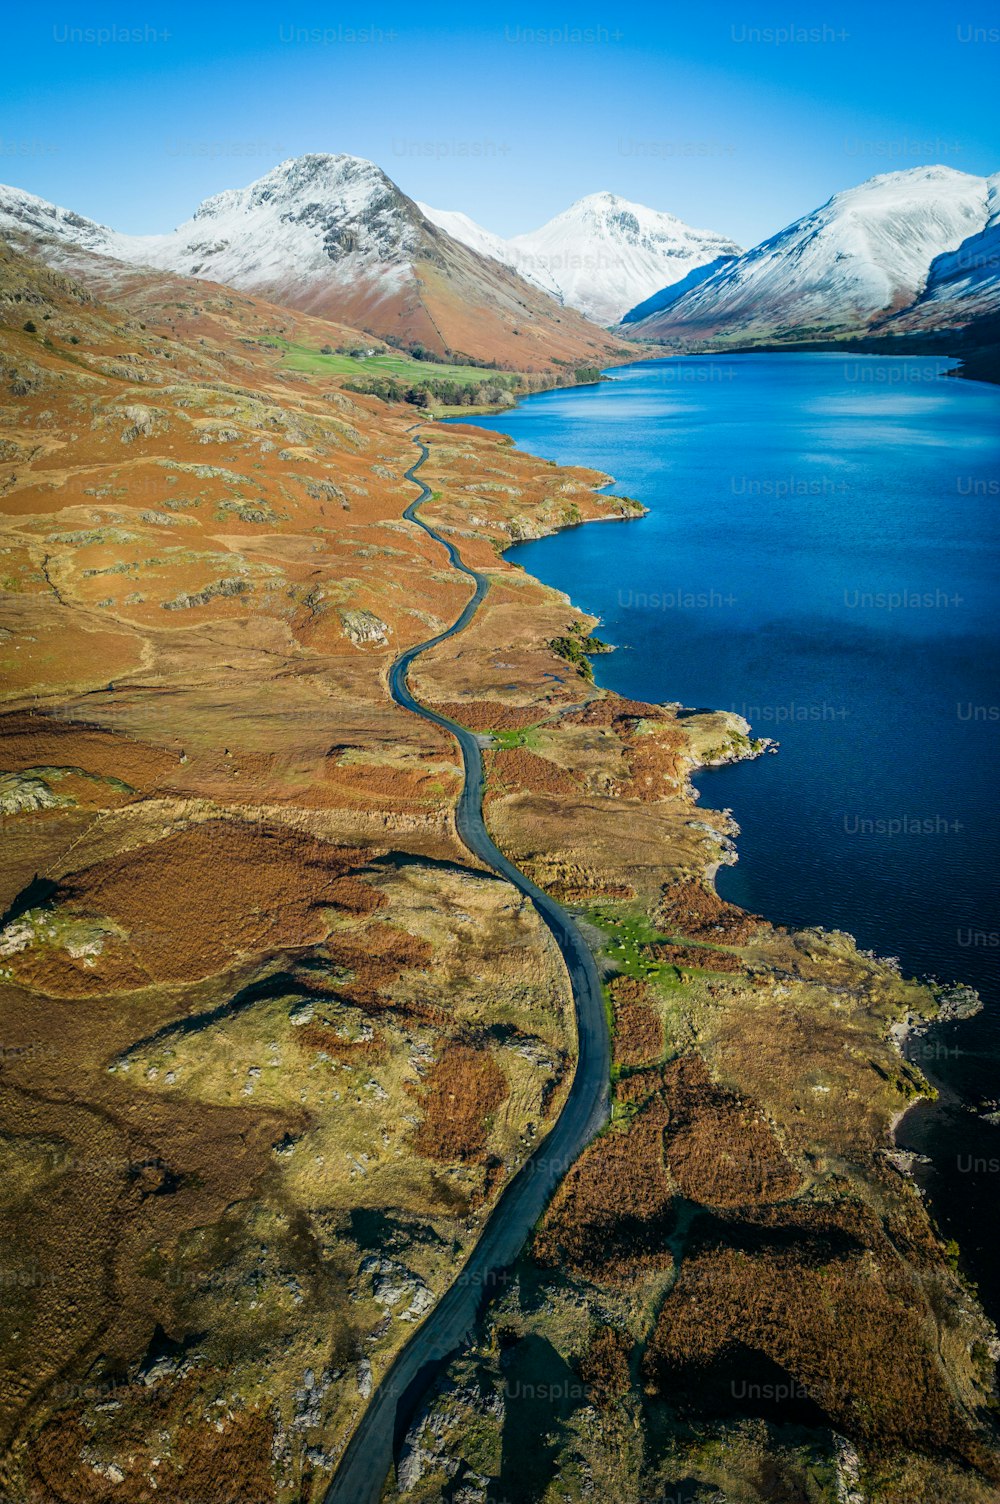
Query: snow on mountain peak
{"x": 612, "y": 209}
{"x": 300, "y": 219}
{"x": 349, "y": 181}
{"x": 602, "y": 255}
{"x": 864, "y": 254}
{"x": 319, "y": 215}
{"x": 607, "y": 254}
{"x": 900, "y": 244}
{"x": 23, "y": 213}
{"x": 963, "y": 284}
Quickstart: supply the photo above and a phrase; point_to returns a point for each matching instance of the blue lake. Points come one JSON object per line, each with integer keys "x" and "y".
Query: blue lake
{"x": 822, "y": 554}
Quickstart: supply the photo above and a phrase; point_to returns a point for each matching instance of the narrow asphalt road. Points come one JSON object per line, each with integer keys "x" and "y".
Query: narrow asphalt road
{"x": 369, "y": 1455}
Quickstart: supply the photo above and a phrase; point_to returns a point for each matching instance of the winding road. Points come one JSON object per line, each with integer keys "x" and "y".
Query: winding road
{"x": 369, "y": 1455}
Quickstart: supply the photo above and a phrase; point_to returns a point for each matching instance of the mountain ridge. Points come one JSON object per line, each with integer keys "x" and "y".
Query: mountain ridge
{"x": 602, "y": 255}
{"x": 334, "y": 236}
{"x": 912, "y": 252}
{"x": 862, "y": 259}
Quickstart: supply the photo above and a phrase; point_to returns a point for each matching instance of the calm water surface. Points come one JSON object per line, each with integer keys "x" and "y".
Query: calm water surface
{"x": 821, "y": 554}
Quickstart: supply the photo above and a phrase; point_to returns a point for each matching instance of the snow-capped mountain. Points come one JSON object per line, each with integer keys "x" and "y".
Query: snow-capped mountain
{"x": 312, "y": 220}
{"x": 25, "y": 217}
{"x": 863, "y": 256}
{"x": 309, "y": 221}
{"x": 963, "y": 284}
{"x": 602, "y": 255}
{"x": 460, "y": 227}
{"x": 607, "y": 254}
{"x": 910, "y": 251}
{"x": 288, "y": 225}
{"x": 334, "y": 236}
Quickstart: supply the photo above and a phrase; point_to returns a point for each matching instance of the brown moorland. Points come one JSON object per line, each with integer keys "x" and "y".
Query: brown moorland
{"x": 831, "y": 1284}
{"x": 638, "y": 1033}
{"x": 241, "y": 936}
{"x": 239, "y": 923}
{"x": 461, "y": 1093}
{"x": 611, "y": 1218}
{"x": 777, "y": 1101}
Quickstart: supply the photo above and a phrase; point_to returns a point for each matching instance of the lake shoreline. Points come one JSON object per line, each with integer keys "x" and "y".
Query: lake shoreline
{"x": 613, "y": 681}
{"x": 976, "y": 362}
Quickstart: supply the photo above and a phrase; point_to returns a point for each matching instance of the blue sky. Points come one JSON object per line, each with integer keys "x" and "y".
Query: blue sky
{"x": 712, "y": 111}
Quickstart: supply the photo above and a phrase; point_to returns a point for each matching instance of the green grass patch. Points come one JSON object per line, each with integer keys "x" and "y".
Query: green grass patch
{"x": 628, "y": 932}
{"x": 440, "y": 388}
{"x": 529, "y": 736}
{"x": 397, "y": 364}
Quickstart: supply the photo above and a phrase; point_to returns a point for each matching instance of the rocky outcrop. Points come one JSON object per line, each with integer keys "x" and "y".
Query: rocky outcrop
{"x": 397, "y": 1288}
{"x": 227, "y": 587}
{"x": 21, "y": 793}
{"x": 139, "y": 424}
{"x": 364, "y": 628}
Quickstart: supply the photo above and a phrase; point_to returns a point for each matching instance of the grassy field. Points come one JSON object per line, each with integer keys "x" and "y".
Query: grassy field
{"x": 529, "y": 737}
{"x": 402, "y": 367}
{"x": 628, "y": 934}
{"x": 441, "y": 390}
